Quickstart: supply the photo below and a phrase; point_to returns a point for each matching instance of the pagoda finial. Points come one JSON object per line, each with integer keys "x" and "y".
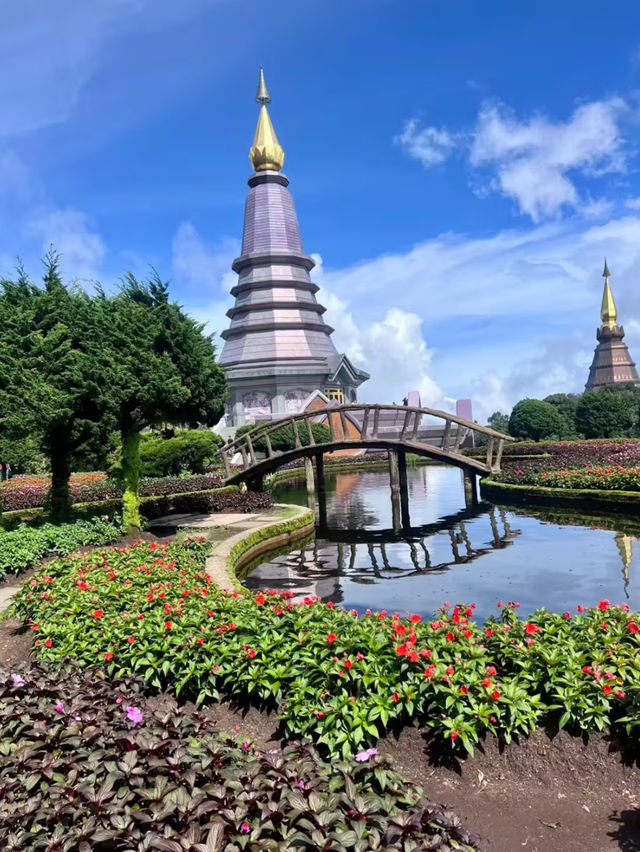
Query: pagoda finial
{"x": 608, "y": 312}
{"x": 266, "y": 153}
{"x": 262, "y": 95}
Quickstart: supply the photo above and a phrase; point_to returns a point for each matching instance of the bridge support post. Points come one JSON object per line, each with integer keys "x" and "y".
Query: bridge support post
{"x": 311, "y": 485}
{"x": 394, "y": 481}
{"x": 404, "y": 490}
{"x": 470, "y": 493}
{"x": 322, "y": 492}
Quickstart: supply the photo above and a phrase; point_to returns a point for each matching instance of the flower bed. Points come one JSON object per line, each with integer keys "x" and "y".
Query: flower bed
{"x": 92, "y": 765}
{"x": 33, "y": 494}
{"x": 26, "y": 546}
{"x": 563, "y": 455}
{"x": 602, "y": 478}
{"x": 335, "y": 677}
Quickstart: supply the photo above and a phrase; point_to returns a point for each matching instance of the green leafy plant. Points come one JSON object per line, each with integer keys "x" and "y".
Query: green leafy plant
{"x": 94, "y": 766}
{"x": 336, "y": 678}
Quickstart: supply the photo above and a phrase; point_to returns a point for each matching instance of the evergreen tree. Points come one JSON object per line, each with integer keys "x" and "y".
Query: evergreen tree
{"x": 566, "y": 404}
{"x": 533, "y": 419}
{"x": 163, "y": 370}
{"x": 608, "y": 412}
{"x": 499, "y": 422}
{"x": 53, "y": 384}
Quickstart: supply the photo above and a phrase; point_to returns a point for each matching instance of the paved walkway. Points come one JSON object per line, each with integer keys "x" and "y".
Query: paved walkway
{"x": 238, "y": 525}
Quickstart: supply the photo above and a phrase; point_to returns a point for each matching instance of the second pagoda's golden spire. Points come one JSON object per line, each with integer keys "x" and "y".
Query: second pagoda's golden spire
{"x": 608, "y": 312}
{"x": 266, "y": 152}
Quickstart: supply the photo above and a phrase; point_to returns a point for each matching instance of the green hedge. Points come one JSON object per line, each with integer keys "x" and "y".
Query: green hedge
{"x": 283, "y": 438}
{"x": 263, "y": 534}
{"x": 620, "y": 501}
{"x": 191, "y": 450}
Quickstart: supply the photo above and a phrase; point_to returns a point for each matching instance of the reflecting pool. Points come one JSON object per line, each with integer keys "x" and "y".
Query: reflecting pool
{"x": 538, "y": 558}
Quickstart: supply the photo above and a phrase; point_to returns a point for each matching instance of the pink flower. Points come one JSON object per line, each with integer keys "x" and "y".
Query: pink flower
{"x": 245, "y": 827}
{"x": 134, "y": 714}
{"x": 59, "y": 708}
{"x": 363, "y": 756}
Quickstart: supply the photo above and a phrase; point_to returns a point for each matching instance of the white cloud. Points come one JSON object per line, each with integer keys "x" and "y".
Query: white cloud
{"x": 533, "y": 161}
{"x": 429, "y": 145}
{"x": 198, "y": 269}
{"x": 81, "y": 250}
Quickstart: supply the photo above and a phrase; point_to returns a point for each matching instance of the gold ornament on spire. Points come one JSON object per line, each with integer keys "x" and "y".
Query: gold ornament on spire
{"x": 266, "y": 152}
{"x": 608, "y": 312}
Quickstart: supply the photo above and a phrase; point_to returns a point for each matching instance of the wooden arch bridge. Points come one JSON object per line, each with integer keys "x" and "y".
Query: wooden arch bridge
{"x": 398, "y": 429}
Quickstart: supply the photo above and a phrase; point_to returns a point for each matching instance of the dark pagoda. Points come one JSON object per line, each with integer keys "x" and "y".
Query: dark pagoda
{"x": 612, "y": 364}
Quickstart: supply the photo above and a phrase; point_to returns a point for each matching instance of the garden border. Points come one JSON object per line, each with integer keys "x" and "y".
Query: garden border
{"x": 627, "y": 502}
{"x": 245, "y": 546}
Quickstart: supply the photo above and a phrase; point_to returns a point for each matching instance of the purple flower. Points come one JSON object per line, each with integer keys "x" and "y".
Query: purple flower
{"x": 59, "y": 708}
{"x": 245, "y": 827}
{"x": 119, "y": 700}
{"x": 245, "y": 745}
{"x": 134, "y": 715}
{"x": 363, "y": 756}
{"x": 301, "y": 785}
{"x": 17, "y": 680}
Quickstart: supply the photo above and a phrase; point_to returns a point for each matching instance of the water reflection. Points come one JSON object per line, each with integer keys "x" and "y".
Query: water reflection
{"x": 450, "y": 553}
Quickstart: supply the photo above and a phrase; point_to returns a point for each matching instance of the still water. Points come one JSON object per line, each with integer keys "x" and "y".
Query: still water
{"x": 451, "y": 554}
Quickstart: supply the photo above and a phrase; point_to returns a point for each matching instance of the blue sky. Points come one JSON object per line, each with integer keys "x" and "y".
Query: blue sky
{"x": 460, "y": 168}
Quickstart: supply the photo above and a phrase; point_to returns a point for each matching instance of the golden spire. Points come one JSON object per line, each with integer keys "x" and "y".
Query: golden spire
{"x": 266, "y": 152}
{"x": 608, "y": 312}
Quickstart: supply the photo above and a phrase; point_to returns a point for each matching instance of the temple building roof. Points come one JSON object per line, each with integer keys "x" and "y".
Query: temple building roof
{"x": 612, "y": 364}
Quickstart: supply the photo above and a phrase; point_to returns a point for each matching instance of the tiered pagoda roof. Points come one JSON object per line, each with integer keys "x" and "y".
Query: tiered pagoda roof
{"x": 612, "y": 364}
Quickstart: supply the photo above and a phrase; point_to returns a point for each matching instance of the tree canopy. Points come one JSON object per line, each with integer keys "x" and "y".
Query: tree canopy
{"x": 608, "y": 413}
{"x": 533, "y": 419}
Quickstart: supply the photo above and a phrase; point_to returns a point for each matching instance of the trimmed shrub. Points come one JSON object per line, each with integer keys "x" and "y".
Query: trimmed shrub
{"x": 26, "y": 546}
{"x": 91, "y": 765}
{"x": 283, "y": 439}
{"x": 534, "y": 419}
{"x": 190, "y": 450}
{"x": 228, "y": 499}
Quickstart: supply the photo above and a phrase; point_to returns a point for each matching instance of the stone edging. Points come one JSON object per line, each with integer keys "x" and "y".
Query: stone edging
{"x": 614, "y": 501}
{"x": 243, "y": 547}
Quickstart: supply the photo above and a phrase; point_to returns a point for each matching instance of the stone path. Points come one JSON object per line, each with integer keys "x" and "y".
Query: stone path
{"x": 236, "y": 524}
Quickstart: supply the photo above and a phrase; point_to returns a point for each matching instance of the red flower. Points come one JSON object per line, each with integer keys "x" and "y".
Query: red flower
{"x": 98, "y": 613}
{"x": 395, "y": 698}
{"x": 468, "y": 634}
{"x": 621, "y": 693}
{"x": 251, "y": 653}
{"x": 464, "y": 690}
{"x": 131, "y": 640}
{"x": 486, "y": 681}
{"x": 199, "y": 640}
{"x": 331, "y": 638}
{"x": 488, "y": 631}
{"x": 603, "y": 605}
{"x": 347, "y": 664}
{"x": 606, "y": 689}
{"x": 495, "y": 694}
{"x": 580, "y": 608}
{"x": 586, "y": 669}
{"x": 414, "y": 657}
{"x": 449, "y": 670}
{"x": 401, "y": 651}
{"x": 168, "y": 625}
{"x": 415, "y": 619}
{"x": 429, "y": 671}
{"x": 491, "y": 670}
{"x": 48, "y": 643}
{"x": 150, "y": 596}
{"x": 532, "y": 628}
{"x": 108, "y": 656}
{"x": 633, "y": 627}
{"x": 454, "y": 735}
{"x": 260, "y": 599}
{"x": 450, "y": 637}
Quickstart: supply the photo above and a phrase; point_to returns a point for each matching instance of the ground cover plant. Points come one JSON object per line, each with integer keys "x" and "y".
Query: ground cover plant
{"x": 336, "y": 677}
{"x": 27, "y": 546}
{"x": 31, "y": 492}
{"x": 95, "y": 766}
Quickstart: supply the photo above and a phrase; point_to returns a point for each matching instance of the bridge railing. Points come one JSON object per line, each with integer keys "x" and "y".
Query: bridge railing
{"x": 405, "y": 430}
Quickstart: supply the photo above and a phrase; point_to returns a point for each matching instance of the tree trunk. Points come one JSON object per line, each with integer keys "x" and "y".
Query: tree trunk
{"x": 59, "y": 499}
{"x": 131, "y": 479}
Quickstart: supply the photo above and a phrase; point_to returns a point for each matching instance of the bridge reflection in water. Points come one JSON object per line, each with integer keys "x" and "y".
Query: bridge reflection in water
{"x": 318, "y": 568}
{"x": 556, "y": 559}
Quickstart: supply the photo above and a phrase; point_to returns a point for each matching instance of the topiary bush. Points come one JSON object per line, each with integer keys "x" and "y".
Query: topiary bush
{"x": 95, "y": 766}
{"x": 283, "y": 439}
{"x": 189, "y": 451}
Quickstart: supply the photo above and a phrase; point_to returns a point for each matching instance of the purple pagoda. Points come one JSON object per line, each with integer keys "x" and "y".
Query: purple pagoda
{"x": 278, "y": 348}
{"x": 612, "y": 364}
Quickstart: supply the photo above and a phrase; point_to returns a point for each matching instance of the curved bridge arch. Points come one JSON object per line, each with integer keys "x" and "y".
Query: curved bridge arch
{"x": 357, "y": 426}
